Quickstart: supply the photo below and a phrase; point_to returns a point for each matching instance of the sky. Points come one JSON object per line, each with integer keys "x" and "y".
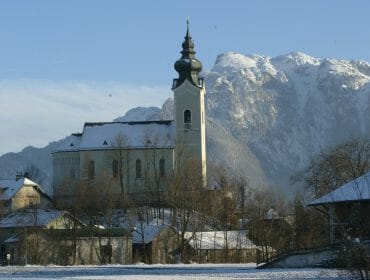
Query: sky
{"x": 63, "y": 63}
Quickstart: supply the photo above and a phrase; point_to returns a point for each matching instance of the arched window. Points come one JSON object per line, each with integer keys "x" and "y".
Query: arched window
{"x": 91, "y": 170}
{"x": 115, "y": 168}
{"x": 187, "y": 116}
{"x": 162, "y": 167}
{"x": 73, "y": 173}
{"x": 138, "y": 168}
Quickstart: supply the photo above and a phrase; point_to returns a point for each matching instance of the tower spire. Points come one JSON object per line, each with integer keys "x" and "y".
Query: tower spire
{"x": 188, "y": 66}
{"x": 187, "y": 27}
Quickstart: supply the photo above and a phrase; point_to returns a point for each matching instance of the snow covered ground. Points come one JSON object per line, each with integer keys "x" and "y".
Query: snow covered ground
{"x": 159, "y": 272}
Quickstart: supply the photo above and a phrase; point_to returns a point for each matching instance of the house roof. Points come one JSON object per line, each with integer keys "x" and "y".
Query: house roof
{"x": 88, "y": 232}
{"x": 31, "y": 218}
{"x": 215, "y": 240}
{"x": 356, "y": 190}
{"x": 84, "y": 232}
{"x": 148, "y": 232}
{"x": 103, "y": 136}
{"x": 9, "y": 187}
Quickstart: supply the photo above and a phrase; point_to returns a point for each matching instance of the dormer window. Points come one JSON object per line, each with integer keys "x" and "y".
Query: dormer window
{"x": 105, "y": 143}
{"x": 187, "y": 116}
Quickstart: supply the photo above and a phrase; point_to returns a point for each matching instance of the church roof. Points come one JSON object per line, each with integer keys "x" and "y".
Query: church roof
{"x": 126, "y": 135}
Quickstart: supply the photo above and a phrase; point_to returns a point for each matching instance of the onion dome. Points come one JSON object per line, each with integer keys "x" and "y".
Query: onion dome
{"x": 188, "y": 66}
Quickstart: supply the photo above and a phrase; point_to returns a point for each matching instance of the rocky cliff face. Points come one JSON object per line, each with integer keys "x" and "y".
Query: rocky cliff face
{"x": 266, "y": 117}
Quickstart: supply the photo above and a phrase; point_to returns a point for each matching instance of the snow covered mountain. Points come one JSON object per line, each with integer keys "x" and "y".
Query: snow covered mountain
{"x": 266, "y": 117}
{"x": 286, "y": 109}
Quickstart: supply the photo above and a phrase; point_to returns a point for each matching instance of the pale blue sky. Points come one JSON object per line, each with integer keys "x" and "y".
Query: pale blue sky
{"x": 136, "y": 42}
{"x": 74, "y": 47}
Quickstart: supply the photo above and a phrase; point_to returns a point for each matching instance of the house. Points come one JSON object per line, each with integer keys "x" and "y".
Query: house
{"x": 20, "y": 193}
{"x": 348, "y": 207}
{"x": 55, "y": 237}
{"x": 222, "y": 247}
{"x": 16, "y": 224}
{"x": 155, "y": 244}
{"x": 273, "y": 234}
{"x": 135, "y": 158}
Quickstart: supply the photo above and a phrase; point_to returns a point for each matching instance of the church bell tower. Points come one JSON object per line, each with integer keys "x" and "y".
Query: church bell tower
{"x": 189, "y": 91}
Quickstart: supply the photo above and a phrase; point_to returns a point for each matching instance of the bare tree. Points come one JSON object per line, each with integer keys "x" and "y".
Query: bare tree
{"x": 120, "y": 163}
{"x": 34, "y": 173}
{"x": 185, "y": 196}
{"x": 333, "y": 168}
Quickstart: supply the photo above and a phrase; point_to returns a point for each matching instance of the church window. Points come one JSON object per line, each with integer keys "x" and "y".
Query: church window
{"x": 161, "y": 167}
{"x": 187, "y": 116}
{"x": 115, "y": 168}
{"x": 91, "y": 170}
{"x": 138, "y": 168}
{"x": 73, "y": 173}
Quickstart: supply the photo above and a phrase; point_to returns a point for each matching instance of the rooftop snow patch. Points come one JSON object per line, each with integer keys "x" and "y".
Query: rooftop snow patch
{"x": 147, "y": 233}
{"x": 216, "y": 240}
{"x": 356, "y": 190}
{"x": 126, "y": 135}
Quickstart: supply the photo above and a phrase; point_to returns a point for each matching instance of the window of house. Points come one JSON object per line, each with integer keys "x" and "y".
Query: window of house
{"x": 161, "y": 167}
{"x": 30, "y": 204}
{"x": 115, "y": 168}
{"x": 138, "y": 168}
{"x": 187, "y": 116}
{"x": 65, "y": 254}
{"x": 106, "y": 252}
{"x": 91, "y": 170}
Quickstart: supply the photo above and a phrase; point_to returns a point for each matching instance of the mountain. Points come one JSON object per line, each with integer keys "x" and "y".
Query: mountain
{"x": 284, "y": 110}
{"x": 29, "y": 159}
{"x": 266, "y": 117}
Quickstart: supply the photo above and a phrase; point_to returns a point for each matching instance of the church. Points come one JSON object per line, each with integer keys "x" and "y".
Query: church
{"x": 130, "y": 156}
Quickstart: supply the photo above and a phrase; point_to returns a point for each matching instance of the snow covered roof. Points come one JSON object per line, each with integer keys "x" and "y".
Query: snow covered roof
{"x": 358, "y": 189}
{"x": 148, "y": 232}
{"x": 215, "y": 240}
{"x": 142, "y": 134}
{"x": 31, "y": 218}
{"x": 9, "y": 187}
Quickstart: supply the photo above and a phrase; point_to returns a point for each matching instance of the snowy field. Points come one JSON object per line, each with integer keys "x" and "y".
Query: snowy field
{"x": 159, "y": 272}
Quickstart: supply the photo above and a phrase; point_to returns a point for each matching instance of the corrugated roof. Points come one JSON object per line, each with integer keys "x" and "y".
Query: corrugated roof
{"x": 356, "y": 190}
{"x": 145, "y": 134}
